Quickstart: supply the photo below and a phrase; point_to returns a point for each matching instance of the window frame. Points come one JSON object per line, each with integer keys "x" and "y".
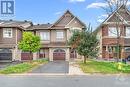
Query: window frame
{"x": 6, "y": 33}
{"x": 47, "y": 35}
{"x": 114, "y": 34}
{"x": 59, "y": 37}
{"x": 126, "y": 33}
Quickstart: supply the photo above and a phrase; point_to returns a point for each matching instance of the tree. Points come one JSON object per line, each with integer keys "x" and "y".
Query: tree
{"x": 112, "y": 6}
{"x": 85, "y": 42}
{"x": 30, "y": 43}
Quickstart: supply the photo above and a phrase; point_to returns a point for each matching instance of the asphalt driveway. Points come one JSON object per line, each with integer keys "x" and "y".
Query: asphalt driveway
{"x": 6, "y": 64}
{"x": 53, "y": 67}
{"x": 3, "y": 65}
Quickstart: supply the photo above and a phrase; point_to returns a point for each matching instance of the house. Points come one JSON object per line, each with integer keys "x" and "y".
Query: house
{"x": 53, "y": 37}
{"x": 10, "y": 35}
{"x": 107, "y": 34}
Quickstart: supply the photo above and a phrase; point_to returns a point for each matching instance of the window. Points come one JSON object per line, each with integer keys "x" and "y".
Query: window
{"x": 127, "y": 31}
{"x": 59, "y": 35}
{"x": 127, "y": 49}
{"x": 112, "y": 31}
{"x": 7, "y": 32}
{"x": 45, "y": 35}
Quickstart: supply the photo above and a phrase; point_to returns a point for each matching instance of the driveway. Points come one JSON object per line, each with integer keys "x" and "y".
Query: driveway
{"x": 6, "y": 64}
{"x": 53, "y": 67}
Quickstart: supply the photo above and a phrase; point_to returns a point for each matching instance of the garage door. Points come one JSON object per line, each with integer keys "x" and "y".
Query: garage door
{"x": 26, "y": 56}
{"x": 5, "y": 54}
{"x": 59, "y": 54}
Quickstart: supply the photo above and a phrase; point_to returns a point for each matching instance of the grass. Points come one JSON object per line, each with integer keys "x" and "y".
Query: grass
{"x": 103, "y": 67}
{"x": 23, "y": 67}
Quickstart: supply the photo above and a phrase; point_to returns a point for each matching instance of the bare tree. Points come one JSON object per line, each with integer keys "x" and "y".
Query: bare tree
{"x": 112, "y": 8}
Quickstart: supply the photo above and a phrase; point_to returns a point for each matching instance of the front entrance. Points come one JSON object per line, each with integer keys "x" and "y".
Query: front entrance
{"x": 59, "y": 54}
{"x": 5, "y": 54}
{"x": 73, "y": 53}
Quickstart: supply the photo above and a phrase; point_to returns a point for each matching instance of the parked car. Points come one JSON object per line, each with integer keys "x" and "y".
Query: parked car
{"x": 128, "y": 58}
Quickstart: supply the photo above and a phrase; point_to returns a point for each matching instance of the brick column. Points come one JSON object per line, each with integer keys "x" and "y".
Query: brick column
{"x": 34, "y": 56}
{"x": 50, "y": 54}
{"x": 67, "y": 54}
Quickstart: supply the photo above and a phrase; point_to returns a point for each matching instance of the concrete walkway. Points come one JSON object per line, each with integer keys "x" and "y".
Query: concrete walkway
{"x": 74, "y": 69}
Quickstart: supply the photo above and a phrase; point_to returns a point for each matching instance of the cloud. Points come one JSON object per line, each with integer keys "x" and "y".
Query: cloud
{"x": 100, "y": 20}
{"x": 97, "y": 5}
{"x": 72, "y": 1}
{"x": 58, "y": 13}
{"x": 102, "y": 17}
{"x": 103, "y": 4}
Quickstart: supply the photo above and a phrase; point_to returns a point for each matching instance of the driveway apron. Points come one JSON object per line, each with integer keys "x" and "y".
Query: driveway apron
{"x": 53, "y": 67}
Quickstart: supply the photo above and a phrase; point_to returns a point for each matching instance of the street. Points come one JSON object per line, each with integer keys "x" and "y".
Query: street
{"x": 64, "y": 81}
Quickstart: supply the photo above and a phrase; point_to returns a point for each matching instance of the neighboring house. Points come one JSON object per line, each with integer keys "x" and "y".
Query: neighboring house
{"x": 10, "y": 35}
{"x": 107, "y": 34}
{"x": 53, "y": 37}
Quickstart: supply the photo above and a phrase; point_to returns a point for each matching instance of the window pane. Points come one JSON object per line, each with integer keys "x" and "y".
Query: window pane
{"x": 112, "y": 31}
{"x": 127, "y": 49}
{"x": 128, "y": 32}
{"x": 7, "y": 32}
{"x": 59, "y": 35}
{"x": 45, "y": 35}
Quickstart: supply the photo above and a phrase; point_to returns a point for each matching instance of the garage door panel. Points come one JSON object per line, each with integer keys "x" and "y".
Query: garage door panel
{"x": 5, "y": 54}
{"x": 59, "y": 55}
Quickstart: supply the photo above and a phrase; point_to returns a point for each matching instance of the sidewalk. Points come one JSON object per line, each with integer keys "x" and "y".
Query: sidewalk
{"x": 74, "y": 69}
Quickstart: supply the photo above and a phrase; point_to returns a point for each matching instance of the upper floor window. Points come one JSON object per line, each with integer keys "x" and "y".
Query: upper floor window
{"x": 127, "y": 31}
{"x": 45, "y": 35}
{"x": 59, "y": 35}
{"x": 7, "y": 32}
{"x": 112, "y": 31}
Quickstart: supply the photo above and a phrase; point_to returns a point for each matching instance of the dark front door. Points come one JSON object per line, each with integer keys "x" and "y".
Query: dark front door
{"x": 5, "y": 54}
{"x": 73, "y": 54}
{"x": 59, "y": 54}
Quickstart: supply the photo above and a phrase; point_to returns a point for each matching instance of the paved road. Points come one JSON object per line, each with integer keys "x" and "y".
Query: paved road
{"x": 64, "y": 81}
{"x": 53, "y": 67}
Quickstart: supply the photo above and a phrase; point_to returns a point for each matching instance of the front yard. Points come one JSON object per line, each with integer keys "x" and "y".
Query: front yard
{"x": 104, "y": 67}
{"x": 23, "y": 67}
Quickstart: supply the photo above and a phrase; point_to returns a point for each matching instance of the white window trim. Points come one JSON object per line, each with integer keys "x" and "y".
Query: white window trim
{"x": 5, "y": 31}
{"x": 126, "y": 31}
{"x": 42, "y": 36}
{"x": 59, "y": 37}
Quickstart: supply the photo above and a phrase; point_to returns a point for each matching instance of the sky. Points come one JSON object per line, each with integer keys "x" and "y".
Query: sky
{"x": 49, "y": 11}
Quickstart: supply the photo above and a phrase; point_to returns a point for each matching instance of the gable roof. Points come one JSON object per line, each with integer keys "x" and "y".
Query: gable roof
{"x": 122, "y": 9}
{"x": 67, "y": 22}
{"x": 12, "y": 23}
{"x": 119, "y": 13}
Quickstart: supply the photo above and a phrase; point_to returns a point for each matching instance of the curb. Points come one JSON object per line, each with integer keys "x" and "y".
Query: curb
{"x": 62, "y": 74}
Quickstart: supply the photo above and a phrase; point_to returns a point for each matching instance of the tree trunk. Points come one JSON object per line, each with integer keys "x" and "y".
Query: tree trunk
{"x": 85, "y": 58}
{"x": 30, "y": 56}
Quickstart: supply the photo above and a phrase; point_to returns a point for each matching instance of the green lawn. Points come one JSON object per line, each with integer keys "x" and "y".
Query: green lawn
{"x": 23, "y": 67}
{"x": 103, "y": 67}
